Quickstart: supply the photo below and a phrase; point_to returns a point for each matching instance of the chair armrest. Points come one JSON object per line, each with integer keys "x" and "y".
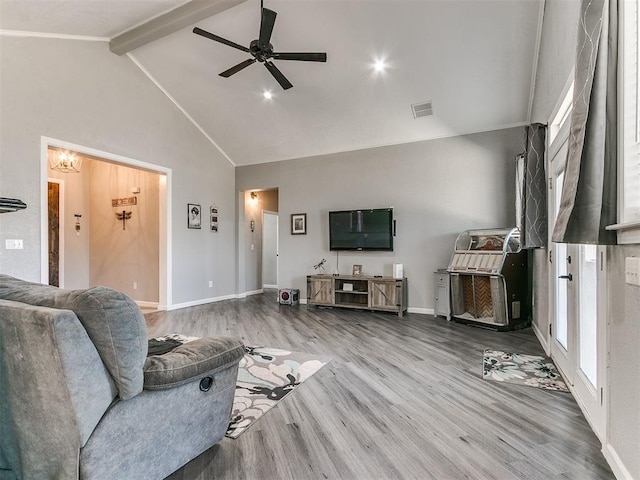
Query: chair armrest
{"x": 190, "y": 361}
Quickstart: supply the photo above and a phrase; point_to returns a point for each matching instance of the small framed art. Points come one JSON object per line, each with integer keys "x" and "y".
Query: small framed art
{"x": 194, "y": 215}
{"x": 299, "y": 224}
{"x": 357, "y": 270}
{"x": 213, "y": 218}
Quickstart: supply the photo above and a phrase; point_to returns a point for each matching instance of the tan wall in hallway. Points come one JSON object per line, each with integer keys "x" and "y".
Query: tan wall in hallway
{"x": 118, "y": 257}
{"x": 75, "y": 193}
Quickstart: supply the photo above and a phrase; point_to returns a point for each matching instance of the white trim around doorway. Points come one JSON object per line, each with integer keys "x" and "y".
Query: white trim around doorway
{"x": 165, "y": 286}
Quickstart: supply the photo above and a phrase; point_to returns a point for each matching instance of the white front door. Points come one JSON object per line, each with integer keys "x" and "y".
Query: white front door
{"x": 577, "y": 292}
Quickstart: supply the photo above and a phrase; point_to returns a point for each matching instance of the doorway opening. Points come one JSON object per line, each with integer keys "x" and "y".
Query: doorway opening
{"x": 269, "y": 249}
{"x": 258, "y": 238}
{"x": 96, "y": 246}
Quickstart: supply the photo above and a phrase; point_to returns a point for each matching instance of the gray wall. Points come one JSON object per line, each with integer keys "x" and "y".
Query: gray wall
{"x": 81, "y": 93}
{"x": 557, "y": 57}
{"x": 438, "y": 188}
{"x": 624, "y": 366}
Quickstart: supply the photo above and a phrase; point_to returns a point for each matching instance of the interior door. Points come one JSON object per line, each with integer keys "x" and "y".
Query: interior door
{"x": 53, "y": 215}
{"x": 578, "y": 326}
{"x": 269, "y": 249}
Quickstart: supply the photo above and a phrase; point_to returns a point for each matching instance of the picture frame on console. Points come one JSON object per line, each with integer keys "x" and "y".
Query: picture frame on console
{"x": 357, "y": 270}
{"x": 298, "y": 224}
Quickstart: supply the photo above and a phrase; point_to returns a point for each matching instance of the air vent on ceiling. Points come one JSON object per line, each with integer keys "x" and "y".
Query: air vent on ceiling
{"x": 423, "y": 109}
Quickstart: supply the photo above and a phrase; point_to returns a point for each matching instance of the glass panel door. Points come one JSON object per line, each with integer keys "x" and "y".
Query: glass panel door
{"x": 588, "y": 308}
{"x": 561, "y": 254}
{"x": 578, "y": 323}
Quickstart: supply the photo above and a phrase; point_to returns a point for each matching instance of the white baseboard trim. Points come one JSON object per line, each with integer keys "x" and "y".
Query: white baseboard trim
{"x": 202, "y": 301}
{"x": 269, "y": 286}
{"x": 422, "y": 311}
{"x": 542, "y": 338}
{"x": 249, "y": 293}
{"x": 142, "y": 304}
{"x": 618, "y": 468}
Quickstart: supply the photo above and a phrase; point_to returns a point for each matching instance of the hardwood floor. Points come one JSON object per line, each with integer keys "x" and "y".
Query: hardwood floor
{"x": 402, "y": 398}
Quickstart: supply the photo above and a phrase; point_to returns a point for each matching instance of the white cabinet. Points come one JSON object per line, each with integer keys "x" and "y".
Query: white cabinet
{"x": 442, "y": 294}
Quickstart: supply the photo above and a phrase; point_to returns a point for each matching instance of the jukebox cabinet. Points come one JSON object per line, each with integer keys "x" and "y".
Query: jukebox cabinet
{"x": 488, "y": 271}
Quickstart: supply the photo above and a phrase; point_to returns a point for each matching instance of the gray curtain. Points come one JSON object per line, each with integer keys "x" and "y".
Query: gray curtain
{"x": 533, "y": 190}
{"x": 588, "y": 201}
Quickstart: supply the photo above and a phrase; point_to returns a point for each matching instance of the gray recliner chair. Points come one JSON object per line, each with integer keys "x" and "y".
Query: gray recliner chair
{"x": 79, "y": 398}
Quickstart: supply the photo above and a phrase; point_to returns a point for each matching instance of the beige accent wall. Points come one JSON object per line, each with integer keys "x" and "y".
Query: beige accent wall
{"x": 75, "y": 248}
{"x": 121, "y": 257}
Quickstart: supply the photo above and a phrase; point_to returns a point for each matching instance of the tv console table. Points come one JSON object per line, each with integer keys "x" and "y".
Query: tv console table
{"x": 358, "y": 291}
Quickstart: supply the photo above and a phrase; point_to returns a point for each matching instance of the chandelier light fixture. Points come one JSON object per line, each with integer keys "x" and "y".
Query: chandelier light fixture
{"x": 66, "y": 162}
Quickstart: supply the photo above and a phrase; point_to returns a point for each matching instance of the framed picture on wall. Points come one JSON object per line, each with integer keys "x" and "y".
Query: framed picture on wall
{"x": 194, "y": 215}
{"x": 299, "y": 224}
{"x": 213, "y": 218}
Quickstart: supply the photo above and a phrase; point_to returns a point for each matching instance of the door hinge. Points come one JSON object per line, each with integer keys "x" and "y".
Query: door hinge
{"x": 550, "y": 183}
{"x": 550, "y": 256}
{"x": 602, "y": 261}
{"x": 549, "y": 329}
{"x": 601, "y": 396}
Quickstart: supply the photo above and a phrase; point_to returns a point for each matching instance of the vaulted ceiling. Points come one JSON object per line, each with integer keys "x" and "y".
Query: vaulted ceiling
{"x": 474, "y": 60}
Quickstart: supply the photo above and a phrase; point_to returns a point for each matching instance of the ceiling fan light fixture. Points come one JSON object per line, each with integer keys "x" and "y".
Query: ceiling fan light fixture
{"x": 261, "y": 50}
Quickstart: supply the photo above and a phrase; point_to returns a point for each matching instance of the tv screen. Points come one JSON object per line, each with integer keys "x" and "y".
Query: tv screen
{"x": 361, "y": 230}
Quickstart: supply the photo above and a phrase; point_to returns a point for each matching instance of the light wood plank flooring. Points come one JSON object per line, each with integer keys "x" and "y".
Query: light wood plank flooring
{"x": 402, "y": 399}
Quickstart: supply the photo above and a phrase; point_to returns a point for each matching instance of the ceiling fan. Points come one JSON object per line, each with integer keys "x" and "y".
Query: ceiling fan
{"x": 262, "y": 51}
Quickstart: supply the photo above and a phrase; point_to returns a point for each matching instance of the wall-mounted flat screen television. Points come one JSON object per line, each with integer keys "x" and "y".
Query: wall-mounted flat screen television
{"x": 361, "y": 230}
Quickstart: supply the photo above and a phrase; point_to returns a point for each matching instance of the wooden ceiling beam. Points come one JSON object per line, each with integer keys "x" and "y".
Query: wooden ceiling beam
{"x": 167, "y": 23}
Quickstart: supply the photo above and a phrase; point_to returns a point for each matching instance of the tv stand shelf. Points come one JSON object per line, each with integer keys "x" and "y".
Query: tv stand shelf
{"x": 357, "y": 291}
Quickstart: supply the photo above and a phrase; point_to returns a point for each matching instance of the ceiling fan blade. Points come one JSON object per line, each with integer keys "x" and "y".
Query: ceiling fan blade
{"x": 267, "y": 22}
{"x": 211, "y": 36}
{"x": 237, "y": 68}
{"x": 277, "y": 74}
{"x": 304, "y": 57}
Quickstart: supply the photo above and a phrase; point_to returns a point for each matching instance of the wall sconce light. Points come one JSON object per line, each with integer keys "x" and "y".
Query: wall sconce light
{"x": 66, "y": 162}
{"x": 78, "y": 217}
{"x": 254, "y": 196}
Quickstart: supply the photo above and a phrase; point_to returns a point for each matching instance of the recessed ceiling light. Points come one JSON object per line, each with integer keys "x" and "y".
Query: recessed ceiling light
{"x": 267, "y": 95}
{"x": 379, "y": 66}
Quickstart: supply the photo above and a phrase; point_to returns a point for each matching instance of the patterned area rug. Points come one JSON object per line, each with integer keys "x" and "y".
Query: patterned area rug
{"x": 266, "y": 376}
{"x": 530, "y": 370}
